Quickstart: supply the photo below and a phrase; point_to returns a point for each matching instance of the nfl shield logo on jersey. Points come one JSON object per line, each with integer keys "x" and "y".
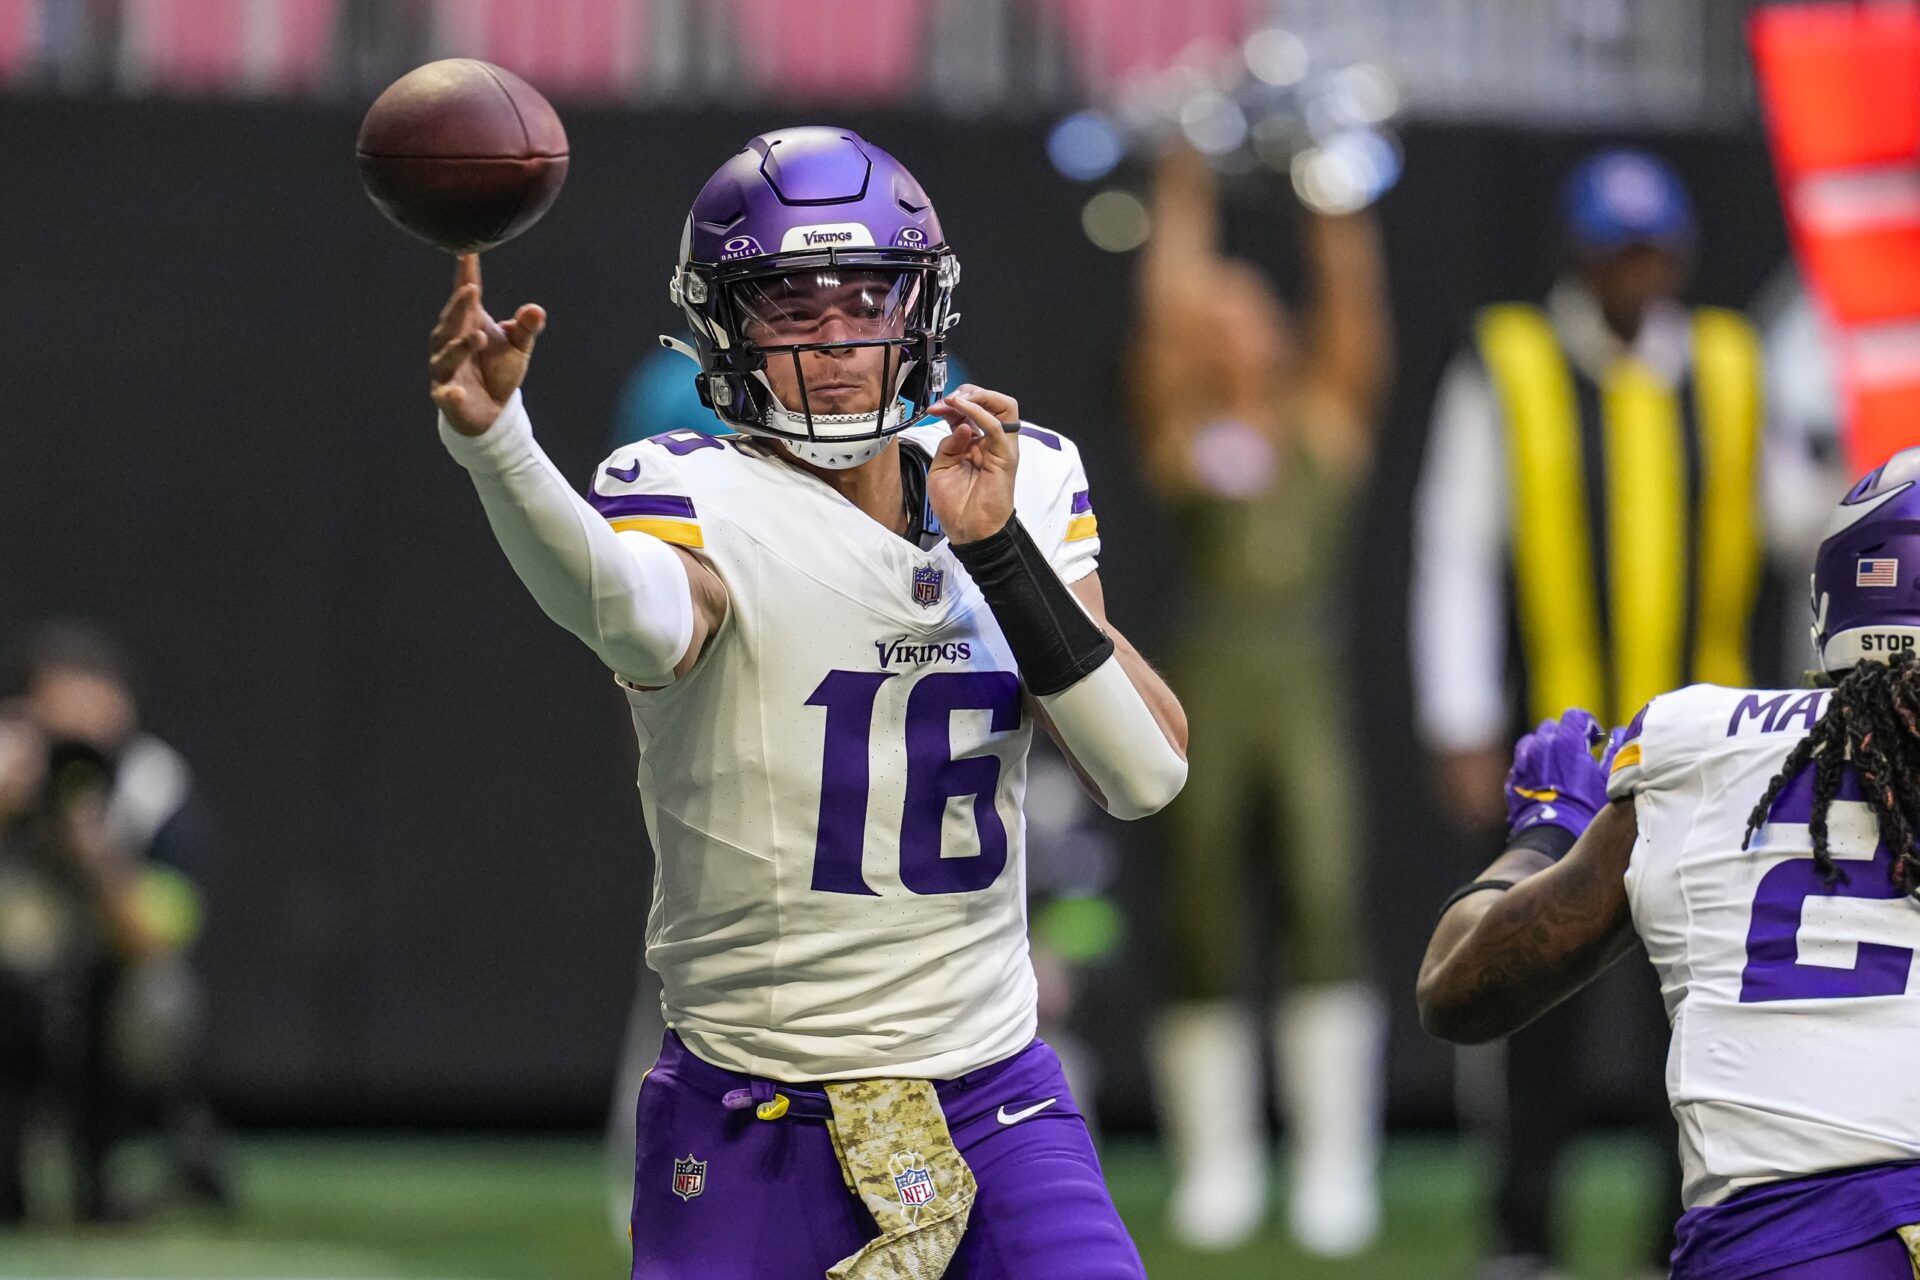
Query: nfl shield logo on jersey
{"x": 926, "y": 585}
{"x": 689, "y": 1177}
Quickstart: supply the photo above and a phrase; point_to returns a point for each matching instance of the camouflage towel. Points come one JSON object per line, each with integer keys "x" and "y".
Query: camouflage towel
{"x": 899, "y": 1158}
{"x": 1910, "y": 1236}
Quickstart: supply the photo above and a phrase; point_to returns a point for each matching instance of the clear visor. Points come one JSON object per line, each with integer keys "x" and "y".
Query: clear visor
{"x": 836, "y": 304}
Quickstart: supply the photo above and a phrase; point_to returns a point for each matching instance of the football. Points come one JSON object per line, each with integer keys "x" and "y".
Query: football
{"x": 463, "y": 154}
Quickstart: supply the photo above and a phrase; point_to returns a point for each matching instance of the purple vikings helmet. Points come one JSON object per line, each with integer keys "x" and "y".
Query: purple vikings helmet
{"x": 1866, "y": 577}
{"x": 812, "y": 240}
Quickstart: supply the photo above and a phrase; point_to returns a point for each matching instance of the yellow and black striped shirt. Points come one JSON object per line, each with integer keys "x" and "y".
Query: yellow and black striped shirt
{"x": 1634, "y": 527}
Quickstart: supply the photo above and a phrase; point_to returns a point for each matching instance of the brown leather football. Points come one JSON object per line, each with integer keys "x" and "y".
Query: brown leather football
{"x": 463, "y": 154}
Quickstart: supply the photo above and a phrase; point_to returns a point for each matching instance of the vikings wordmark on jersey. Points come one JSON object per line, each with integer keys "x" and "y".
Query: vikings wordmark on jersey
{"x": 1791, "y": 1047}
{"x": 834, "y": 789}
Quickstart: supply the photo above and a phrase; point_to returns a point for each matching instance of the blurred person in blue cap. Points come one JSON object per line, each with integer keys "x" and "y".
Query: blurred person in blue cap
{"x": 1618, "y": 434}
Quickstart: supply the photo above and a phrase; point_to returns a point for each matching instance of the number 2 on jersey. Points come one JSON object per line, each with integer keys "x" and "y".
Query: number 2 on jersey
{"x": 1774, "y": 970}
{"x": 933, "y": 778}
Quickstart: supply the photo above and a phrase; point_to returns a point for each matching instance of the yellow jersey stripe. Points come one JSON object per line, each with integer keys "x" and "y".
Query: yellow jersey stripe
{"x": 1552, "y": 553}
{"x": 683, "y": 532}
{"x": 1650, "y": 521}
{"x": 1628, "y": 757}
{"x": 1647, "y": 531}
{"x": 1082, "y": 527}
{"x": 1727, "y": 393}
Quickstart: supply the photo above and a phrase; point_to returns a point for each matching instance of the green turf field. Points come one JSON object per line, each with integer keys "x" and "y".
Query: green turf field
{"x": 357, "y": 1208}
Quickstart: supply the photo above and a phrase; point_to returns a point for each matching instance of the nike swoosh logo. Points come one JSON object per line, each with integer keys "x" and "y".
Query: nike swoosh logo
{"x": 629, "y": 475}
{"x": 1015, "y": 1117}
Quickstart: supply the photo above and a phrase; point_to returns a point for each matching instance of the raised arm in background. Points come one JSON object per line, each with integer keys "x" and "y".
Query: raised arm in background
{"x": 1174, "y": 325}
{"x": 1212, "y": 339}
{"x": 1349, "y": 355}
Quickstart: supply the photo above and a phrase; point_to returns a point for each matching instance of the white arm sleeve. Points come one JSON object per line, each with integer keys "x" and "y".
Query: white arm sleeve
{"x": 1459, "y": 605}
{"x": 1110, "y": 731}
{"x": 625, "y": 594}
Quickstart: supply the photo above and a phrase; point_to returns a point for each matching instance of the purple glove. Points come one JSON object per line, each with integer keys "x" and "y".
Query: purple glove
{"x": 1615, "y": 740}
{"x": 1555, "y": 781}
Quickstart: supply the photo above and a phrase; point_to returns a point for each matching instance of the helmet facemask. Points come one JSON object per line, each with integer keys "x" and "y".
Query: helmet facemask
{"x": 834, "y": 350}
{"x": 799, "y": 326}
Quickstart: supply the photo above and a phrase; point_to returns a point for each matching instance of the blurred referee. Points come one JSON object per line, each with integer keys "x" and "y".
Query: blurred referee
{"x": 1586, "y": 533}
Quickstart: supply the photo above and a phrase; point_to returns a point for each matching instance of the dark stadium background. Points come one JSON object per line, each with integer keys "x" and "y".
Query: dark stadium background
{"x": 431, "y": 889}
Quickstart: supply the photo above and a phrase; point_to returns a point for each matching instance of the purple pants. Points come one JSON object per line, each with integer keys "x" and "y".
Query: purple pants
{"x": 722, "y": 1195}
{"x": 1837, "y": 1225}
{"x": 1882, "y": 1259}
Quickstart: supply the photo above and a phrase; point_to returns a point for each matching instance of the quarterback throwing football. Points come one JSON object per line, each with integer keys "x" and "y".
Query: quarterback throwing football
{"x": 836, "y": 630}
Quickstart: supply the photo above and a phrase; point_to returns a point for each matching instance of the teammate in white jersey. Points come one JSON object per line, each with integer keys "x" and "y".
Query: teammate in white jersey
{"x": 835, "y": 630}
{"x": 1761, "y": 844}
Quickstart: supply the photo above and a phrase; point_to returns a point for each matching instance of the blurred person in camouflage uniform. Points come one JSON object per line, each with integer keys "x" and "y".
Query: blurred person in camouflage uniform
{"x": 1258, "y": 436}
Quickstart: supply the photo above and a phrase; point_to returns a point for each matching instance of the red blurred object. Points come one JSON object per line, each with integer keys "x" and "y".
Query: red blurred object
{"x": 843, "y": 50}
{"x": 1841, "y": 89}
{"x": 16, "y": 36}
{"x": 575, "y": 48}
{"x": 1114, "y": 39}
{"x": 223, "y": 46}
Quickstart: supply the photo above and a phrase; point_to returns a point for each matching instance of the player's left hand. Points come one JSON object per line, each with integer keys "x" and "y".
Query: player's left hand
{"x": 970, "y": 482}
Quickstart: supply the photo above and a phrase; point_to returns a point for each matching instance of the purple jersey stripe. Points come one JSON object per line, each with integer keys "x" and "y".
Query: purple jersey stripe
{"x": 1046, "y": 438}
{"x": 1638, "y": 723}
{"x": 1081, "y": 502}
{"x": 641, "y": 504}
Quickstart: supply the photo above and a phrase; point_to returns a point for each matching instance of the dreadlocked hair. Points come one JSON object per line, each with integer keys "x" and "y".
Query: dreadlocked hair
{"x": 1871, "y": 725}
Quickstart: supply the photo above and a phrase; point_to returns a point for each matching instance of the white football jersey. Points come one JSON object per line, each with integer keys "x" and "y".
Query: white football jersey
{"x": 1796, "y": 1020}
{"x": 834, "y": 791}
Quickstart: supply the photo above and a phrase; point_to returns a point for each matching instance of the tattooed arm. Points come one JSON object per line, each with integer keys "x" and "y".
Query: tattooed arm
{"x": 1498, "y": 960}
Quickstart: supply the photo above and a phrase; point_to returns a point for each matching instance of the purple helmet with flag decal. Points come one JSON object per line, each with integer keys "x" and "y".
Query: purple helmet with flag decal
{"x": 813, "y": 240}
{"x": 1866, "y": 577}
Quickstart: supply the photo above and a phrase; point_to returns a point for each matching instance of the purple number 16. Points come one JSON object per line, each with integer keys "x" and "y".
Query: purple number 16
{"x": 934, "y": 776}
{"x": 1774, "y": 971}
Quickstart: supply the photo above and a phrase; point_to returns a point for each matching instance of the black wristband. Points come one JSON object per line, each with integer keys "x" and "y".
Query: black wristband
{"x": 1467, "y": 890}
{"x": 1544, "y": 837}
{"x": 1052, "y": 638}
